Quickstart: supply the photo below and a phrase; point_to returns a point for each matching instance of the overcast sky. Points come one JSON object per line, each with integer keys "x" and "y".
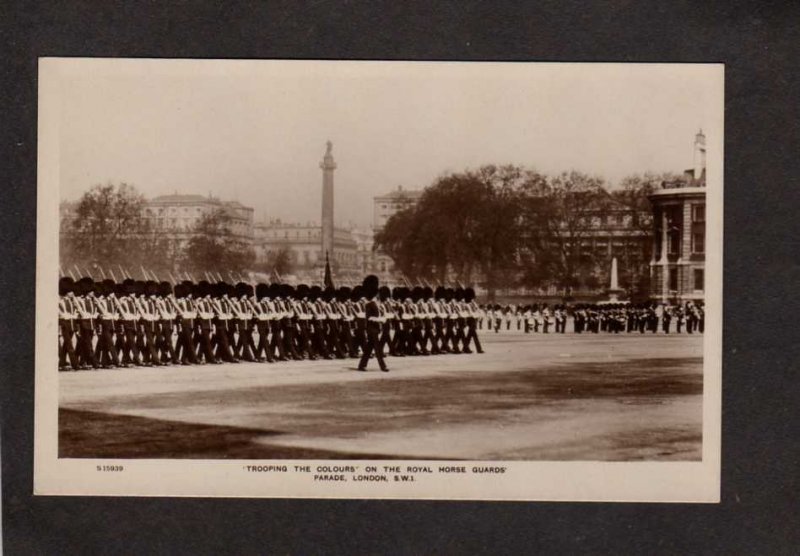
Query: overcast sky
{"x": 255, "y": 131}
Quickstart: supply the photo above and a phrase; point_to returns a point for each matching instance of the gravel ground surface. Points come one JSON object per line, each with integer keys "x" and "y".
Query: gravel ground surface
{"x": 529, "y": 397}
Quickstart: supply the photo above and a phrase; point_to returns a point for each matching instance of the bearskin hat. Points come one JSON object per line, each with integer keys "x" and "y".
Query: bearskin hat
{"x": 179, "y": 291}
{"x": 370, "y": 283}
{"x": 287, "y": 291}
{"x": 65, "y": 285}
{"x": 165, "y": 289}
{"x": 151, "y": 288}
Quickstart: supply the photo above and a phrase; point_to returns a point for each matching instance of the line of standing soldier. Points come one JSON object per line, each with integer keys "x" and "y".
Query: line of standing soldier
{"x": 594, "y": 318}
{"x": 146, "y": 323}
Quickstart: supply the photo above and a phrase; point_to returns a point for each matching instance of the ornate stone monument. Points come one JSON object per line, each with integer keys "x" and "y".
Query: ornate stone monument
{"x": 328, "y": 166}
{"x": 614, "y": 291}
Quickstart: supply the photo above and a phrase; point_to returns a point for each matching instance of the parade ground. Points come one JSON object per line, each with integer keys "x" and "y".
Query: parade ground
{"x": 603, "y": 397}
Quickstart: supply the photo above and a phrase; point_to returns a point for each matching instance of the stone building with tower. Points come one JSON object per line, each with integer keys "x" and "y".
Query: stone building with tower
{"x": 677, "y": 268}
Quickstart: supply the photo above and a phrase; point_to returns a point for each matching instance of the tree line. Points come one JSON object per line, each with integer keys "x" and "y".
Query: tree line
{"x": 508, "y": 226}
{"x": 109, "y": 233}
{"x": 496, "y": 226}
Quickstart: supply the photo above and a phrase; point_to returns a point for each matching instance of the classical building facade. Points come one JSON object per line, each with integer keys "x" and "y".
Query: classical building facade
{"x": 385, "y": 206}
{"x": 303, "y": 242}
{"x": 176, "y": 216}
{"x": 365, "y": 243}
{"x": 615, "y": 230}
{"x": 677, "y": 268}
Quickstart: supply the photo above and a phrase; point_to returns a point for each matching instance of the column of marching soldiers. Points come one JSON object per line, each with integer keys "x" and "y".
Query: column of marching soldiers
{"x": 148, "y": 323}
{"x": 594, "y": 318}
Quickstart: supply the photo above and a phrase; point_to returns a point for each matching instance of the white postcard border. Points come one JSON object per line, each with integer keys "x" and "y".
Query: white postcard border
{"x": 541, "y": 480}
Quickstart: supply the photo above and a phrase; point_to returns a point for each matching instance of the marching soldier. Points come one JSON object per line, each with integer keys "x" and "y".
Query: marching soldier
{"x": 243, "y": 312}
{"x": 186, "y": 315}
{"x": 148, "y": 316}
{"x": 205, "y": 320}
{"x": 166, "y": 312}
{"x": 128, "y": 312}
{"x": 66, "y": 318}
{"x": 387, "y": 307}
{"x": 374, "y": 322}
{"x": 105, "y": 352}
{"x": 222, "y": 327}
{"x": 86, "y": 323}
{"x": 426, "y": 311}
{"x": 263, "y": 315}
{"x": 357, "y": 306}
{"x": 333, "y": 318}
{"x": 318, "y": 323}
{"x": 472, "y": 311}
{"x": 288, "y": 323}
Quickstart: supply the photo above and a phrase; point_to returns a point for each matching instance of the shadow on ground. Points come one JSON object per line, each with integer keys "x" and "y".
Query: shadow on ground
{"x": 89, "y": 434}
{"x": 485, "y": 402}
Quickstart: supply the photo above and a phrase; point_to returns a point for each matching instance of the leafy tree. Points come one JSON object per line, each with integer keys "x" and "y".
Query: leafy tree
{"x": 214, "y": 248}
{"x": 464, "y": 224}
{"x": 556, "y": 217}
{"x": 109, "y": 229}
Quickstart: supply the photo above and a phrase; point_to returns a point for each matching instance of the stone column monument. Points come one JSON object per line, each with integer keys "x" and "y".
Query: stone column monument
{"x": 614, "y": 291}
{"x": 328, "y": 166}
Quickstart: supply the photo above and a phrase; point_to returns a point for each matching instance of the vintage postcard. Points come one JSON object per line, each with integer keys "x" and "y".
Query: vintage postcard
{"x": 407, "y": 280}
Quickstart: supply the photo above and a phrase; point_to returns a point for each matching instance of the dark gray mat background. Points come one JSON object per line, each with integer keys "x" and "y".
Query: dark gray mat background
{"x": 761, "y": 455}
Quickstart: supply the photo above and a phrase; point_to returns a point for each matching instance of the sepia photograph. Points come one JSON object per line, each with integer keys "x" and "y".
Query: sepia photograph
{"x": 341, "y": 279}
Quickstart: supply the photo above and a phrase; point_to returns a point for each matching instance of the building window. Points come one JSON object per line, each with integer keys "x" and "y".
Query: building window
{"x": 698, "y": 213}
{"x": 674, "y": 225}
{"x": 699, "y": 242}
{"x": 699, "y": 279}
{"x": 673, "y": 279}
